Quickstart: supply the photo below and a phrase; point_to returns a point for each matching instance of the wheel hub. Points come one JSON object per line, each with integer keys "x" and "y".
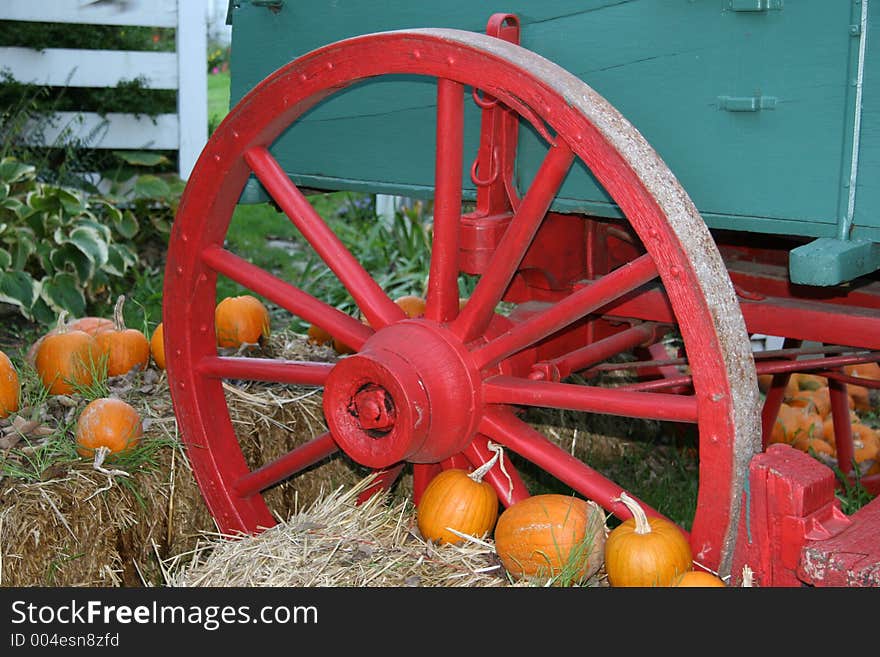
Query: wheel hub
{"x": 410, "y": 394}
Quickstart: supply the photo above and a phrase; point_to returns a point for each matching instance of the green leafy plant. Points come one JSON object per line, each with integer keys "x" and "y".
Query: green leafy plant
{"x": 59, "y": 248}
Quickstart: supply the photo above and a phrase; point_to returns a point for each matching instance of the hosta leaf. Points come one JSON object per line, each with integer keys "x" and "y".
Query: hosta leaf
{"x": 108, "y": 211}
{"x": 5, "y": 259}
{"x": 12, "y": 171}
{"x": 88, "y": 240}
{"x": 162, "y": 225}
{"x": 61, "y": 292}
{"x": 115, "y": 264}
{"x": 68, "y": 258}
{"x": 72, "y": 204}
{"x": 43, "y": 199}
{"x": 104, "y": 231}
{"x": 20, "y": 289}
{"x": 42, "y": 313}
{"x": 23, "y": 247}
{"x": 148, "y": 186}
{"x": 121, "y": 258}
{"x": 141, "y": 158}
{"x": 127, "y": 225}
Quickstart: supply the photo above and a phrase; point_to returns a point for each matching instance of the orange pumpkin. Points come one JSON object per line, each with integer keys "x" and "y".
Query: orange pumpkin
{"x": 412, "y": 305}
{"x": 866, "y": 449}
{"x": 816, "y": 447}
{"x": 66, "y": 358}
{"x": 91, "y": 325}
{"x": 817, "y": 400}
{"x": 124, "y": 348}
{"x": 551, "y": 535}
{"x": 10, "y": 386}
{"x": 698, "y": 578}
{"x": 644, "y": 551}
{"x": 859, "y": 429}
{"x": 459, "y": 500}
{"x": 157, "y": 346}
{"x": 793, "y": 422}
{"x": 241, "y": 320}
{"x": 318, "y": 336}
{"x": 861, "y": 395}
{"x": 109, "y": 423}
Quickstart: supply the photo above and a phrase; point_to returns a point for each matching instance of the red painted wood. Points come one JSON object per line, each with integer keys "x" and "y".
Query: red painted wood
{"x": 790, "y": 501}
{"x": 432, "y": 374}
{"x": 280, "y": 469}
{"x": 442, "y": 298}
{"x": 591, "y": 399}
{"x": 574, "y": 307}
{"x": 264, "y": 369}
{"x": 475, "y": 316}
{"x": 291, "y": 298}
{"x": 377, "y": 308}
{"x": 849, "y": 558}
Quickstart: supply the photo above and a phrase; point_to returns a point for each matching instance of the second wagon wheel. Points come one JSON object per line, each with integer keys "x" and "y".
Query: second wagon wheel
{"x": 436, "y": 390}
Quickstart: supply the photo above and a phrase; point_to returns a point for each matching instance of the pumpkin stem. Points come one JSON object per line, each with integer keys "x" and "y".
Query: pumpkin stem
{"x": 478, "y": 474}
{"x": 62, "y": 320}
{"x": 118, "y": 317}
{"x": 100, "y": 454}
{"x": 641, "y": 519}
{"x": 748, "y": 576}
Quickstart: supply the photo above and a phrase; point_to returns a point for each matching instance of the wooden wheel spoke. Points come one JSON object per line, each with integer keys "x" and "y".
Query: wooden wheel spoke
{"x": 289, "y": 297}
{"x": 442, "y": 297}
{"x": 378, "y": 309}
{"x": 590, "y": 399}
{"x": 265, "y": 369}
{"x": 503, "y": 427}
{"x": 612, "y": 286}
{"x": 476, "y": 315}
{"x": 281, "y": 468}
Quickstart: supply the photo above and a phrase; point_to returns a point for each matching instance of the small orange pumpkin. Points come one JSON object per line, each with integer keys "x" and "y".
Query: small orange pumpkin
{"x": 108, "y": 423}
{"x": 698, "y": 578}
{"x": 550, "y": 535}
{"x": 10, "y": 386}
{"x": 644, "y": 551}
{"x": 91, "y": 325}
{"x": 793, "y": 422}
{"x": 125, "y": 348}
{"x": 412, "y": 305}
{"x": 241, "y": 320}
{"x": 65, "y": 358}
{"x": 817, "y": 400}
{"x": 318, "y": 336}
{"x": 458, "y": 500}
{"x": 157, "y": 346}
{"x": 862, "y": 396}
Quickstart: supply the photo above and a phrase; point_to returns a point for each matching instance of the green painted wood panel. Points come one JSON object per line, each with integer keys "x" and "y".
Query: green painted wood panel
{"x": 674, "y": 68}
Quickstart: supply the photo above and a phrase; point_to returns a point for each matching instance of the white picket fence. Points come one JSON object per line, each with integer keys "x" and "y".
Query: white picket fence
{"x": 185, "y": 70}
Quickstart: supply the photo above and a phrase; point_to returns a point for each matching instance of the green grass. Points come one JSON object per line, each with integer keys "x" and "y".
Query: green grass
{"x": 218, "y": 97}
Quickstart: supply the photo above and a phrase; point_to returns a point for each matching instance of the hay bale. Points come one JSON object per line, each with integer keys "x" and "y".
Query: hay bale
{"x": 77, "y": 527}
{"x": 337, "y": 542}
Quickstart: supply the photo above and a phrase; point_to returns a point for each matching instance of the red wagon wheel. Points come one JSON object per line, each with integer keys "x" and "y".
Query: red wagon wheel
{"x": 434, "y": 391}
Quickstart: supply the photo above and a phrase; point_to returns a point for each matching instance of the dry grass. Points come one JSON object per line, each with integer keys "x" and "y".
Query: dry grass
{"x": 337, "y": 542}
